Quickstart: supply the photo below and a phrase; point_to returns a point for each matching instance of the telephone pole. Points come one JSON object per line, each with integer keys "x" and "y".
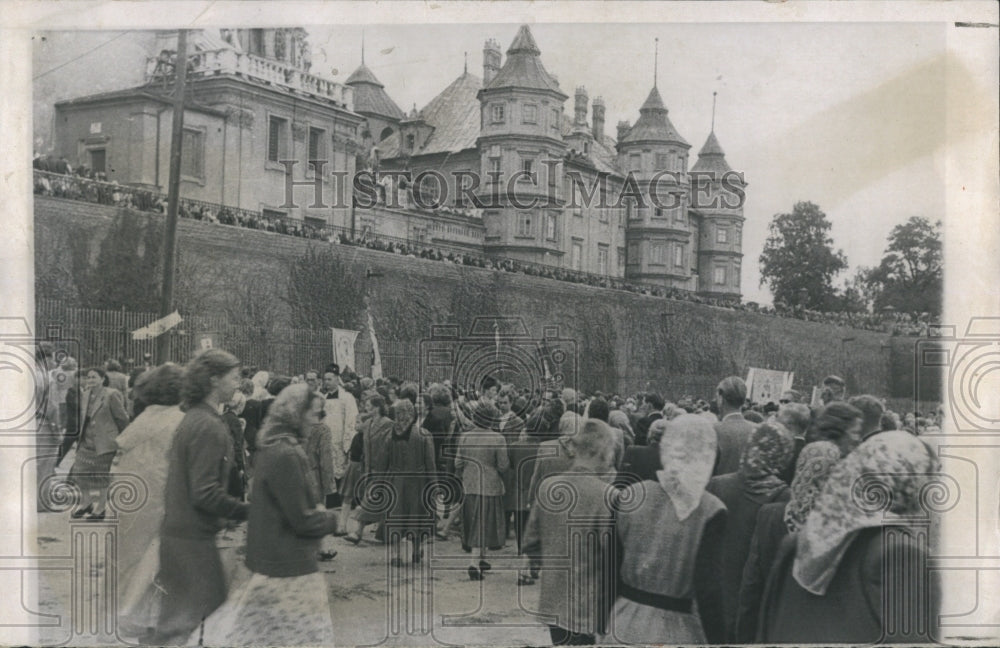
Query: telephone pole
{"x": 173, "y": 195}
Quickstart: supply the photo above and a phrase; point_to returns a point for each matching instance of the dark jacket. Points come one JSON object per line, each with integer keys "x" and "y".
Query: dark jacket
{"x": 517, "y": 480}
{"x": 103, "y": 419}
{"x": 740, "y": 526}
{"x": 732, "y": 433}
{"x": 640, "y": 464}
{"x": 195, "y": 498}
{"x": 853, "y": 609}
{"x": 768, "y": 534}
{"x": 642, "y": 427}
{"x": 285, "y": 526}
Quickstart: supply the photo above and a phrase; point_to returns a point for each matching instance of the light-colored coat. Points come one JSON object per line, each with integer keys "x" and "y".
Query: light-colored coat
{"x": 480, "y": 461}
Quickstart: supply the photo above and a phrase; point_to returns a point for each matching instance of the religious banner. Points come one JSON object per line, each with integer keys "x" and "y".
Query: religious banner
{"x": 206, "y": 341}
{"x": 157, "y": 328}
{"x": 343, "y": 347}
{"x": 767, "y": 385}
{"x": 376, "y": 371}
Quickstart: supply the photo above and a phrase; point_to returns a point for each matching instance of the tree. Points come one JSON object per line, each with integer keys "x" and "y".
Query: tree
{"x": 324, "y": 291}
{"x": 798, "y": 262}
{"x": 910, "y": 276}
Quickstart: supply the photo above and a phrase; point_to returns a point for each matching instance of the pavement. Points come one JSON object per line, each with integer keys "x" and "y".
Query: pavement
{"x": 371, "y": 602}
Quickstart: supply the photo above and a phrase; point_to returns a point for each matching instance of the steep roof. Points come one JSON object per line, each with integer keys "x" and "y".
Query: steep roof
{"x": 602, "y": 154}
{"x": 653, "y": 124}
{"x": 523, "y": 67}
{"x": 370, "y": 96}
{"x": 711, "y": 158}
{"x": 454, "y": 115}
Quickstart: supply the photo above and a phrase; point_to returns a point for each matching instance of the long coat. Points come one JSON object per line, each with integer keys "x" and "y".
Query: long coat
{"x": 410, "y": 469}
{"x": 481, "y": 461}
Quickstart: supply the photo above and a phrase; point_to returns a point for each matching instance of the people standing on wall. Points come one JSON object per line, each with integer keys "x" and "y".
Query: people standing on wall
{"x": 104, "y": 417}
{"x": 195, "y": 500}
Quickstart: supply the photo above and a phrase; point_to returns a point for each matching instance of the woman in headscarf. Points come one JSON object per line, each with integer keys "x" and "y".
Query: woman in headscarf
{"x": 410, "y": 468}
{"x": 670, "y": 532}
{"x": 756, "y": 483}
{"x": 480, "y": 460}
{"x": 285, "y": 602}
{"x": 840, "y": 423}
{"x": 859, "y": 556}
{"x": 142, "y": 456}
{"x": 375, "y": 434}
{"x": 774, "y": 522}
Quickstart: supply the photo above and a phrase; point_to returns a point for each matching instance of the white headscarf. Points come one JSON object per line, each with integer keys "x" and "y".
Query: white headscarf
{"x": 259, "y": 381}
{"x": 687, "y": 451}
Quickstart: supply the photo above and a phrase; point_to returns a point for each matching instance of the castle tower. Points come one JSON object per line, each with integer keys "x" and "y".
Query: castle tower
{"x": 521, "y": 148}
{"x": 374, "y": 103}
{"x": 720, "y": 193}
{"x": 657, "y": 236}
{"x": 598, "y": 119}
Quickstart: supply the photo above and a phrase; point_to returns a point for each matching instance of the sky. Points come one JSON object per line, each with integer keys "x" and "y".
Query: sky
{"x": 850, "y": 116}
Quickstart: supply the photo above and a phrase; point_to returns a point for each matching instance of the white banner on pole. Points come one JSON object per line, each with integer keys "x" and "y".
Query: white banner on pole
{"x": 157, "y": 328}
{"x": 376, "y": 356}
{"x": 767, "y": 385}
{"x": 343, "y": 347}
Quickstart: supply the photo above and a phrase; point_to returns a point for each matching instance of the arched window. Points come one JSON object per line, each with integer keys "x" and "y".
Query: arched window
{"x": 386, "y": 132}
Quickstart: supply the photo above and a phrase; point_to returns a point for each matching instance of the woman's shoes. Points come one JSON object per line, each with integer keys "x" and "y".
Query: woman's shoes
{"x": 474, "y": 574}
{"x": 79, "y": 513}
{"x": 96, "y": 517}
{"x": 327, "y": 556}
{"x": 484, "y": 566}
{"x": 353, "y": 539}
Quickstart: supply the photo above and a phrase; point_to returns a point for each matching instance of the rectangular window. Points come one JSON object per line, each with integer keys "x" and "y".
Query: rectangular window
{"x": 277, "y": 138}
{"x": 550, "y": 227}
{"x": 662, "y": 161}
{"x": 679, "y": 256}
{"x": 635, "y": 162}
{"x": 317, "y": 144}
{"x": 679, "y": 214}
{"x": 193, "y": 154}
{"x": 720, "y": 276}
{"x": 529, "y": 114}
{"x": 98, "y": 160}
{"x": 739, "y": 236}
{"x": 528, "y": 169}
{"x": 658, "y": 212}
{"x": 721, "y": 235}
{"x": 524, "y": 224}
{"x": 555, "y": 119}
{"x": 621, "y": 258}
{"x": 602, "y": 259}
{"x": 602, "y": 208}
{"x": 577, "y": 255}
{"x": 550, "y": 171}
{"x": 659, "y": 254}
{"x": 494, "y": 173}
{"x": 497, "y": 113}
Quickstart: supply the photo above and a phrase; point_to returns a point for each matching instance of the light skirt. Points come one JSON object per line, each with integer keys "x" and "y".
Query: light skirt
{"x": 273, "y": 611}
{"x": 634, "y": 623}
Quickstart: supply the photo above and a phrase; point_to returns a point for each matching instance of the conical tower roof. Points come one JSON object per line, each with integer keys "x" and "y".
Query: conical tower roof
{"x": 711, "y": 158}
{"x": 370, "y": 97}
{"x": 523, "y": 67}
{"x": 653, "y": 124}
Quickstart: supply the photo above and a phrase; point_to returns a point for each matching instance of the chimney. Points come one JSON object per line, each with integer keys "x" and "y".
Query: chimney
{"x": 623, "y": 128}
{"x": 491, "y": 60}
{"x": 598, "y": 130}
{"x": 580, "y": 111}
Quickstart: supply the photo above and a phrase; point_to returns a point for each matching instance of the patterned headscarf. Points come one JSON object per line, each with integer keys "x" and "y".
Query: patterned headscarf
{"x": 687, "y": 452}
{"x": 767, "y": 453}
{"x": 811, "y": 472}
{"x": 403, "y": 417}
{"x": 885, "y": 476}
{"x": 619, "y": 419}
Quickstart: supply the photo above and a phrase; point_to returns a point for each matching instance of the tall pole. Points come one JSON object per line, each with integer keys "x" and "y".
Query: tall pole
{"x": 173, "y": 195}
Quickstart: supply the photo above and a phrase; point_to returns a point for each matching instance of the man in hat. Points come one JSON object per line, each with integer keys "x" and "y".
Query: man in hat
{"x": 833, "y": 389}
{"x": 733, "y": 431}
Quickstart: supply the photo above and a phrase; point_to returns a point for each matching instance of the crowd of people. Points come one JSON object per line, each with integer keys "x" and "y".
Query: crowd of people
{"x": 641, "y": 521}
{"x": 58, "y": 179}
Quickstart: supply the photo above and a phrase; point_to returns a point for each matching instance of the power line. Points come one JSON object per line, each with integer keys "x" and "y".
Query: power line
{"x": 79, "y": 56}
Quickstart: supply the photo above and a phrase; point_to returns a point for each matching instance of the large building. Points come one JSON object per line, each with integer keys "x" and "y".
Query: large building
{"x": 523, "y": 179}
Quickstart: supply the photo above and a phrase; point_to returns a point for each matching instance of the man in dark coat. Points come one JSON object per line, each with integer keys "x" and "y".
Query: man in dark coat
{"x": 732, "y": 430}
{"x": 654, "y": 407}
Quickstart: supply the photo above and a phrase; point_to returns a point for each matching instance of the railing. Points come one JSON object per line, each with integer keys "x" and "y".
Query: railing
{"x": 159, "y": 69}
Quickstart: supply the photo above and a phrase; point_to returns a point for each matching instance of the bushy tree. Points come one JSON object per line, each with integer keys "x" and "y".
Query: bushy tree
{"x": 323, "y": 291}
{"x": 910, "y": 276}
{"x": 799, "y": 263}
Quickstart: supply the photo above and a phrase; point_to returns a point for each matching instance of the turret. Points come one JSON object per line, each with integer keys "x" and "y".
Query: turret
{"x": 598, "y": 118}
{"x": 580, "y": 107}
{"x": 491, "y": 60}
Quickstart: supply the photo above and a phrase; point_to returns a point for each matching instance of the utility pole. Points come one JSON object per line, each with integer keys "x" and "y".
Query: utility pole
{"x": 173, "y": 195}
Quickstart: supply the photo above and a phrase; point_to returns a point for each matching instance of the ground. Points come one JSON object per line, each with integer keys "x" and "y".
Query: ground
{"x": 366, "y": 594}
